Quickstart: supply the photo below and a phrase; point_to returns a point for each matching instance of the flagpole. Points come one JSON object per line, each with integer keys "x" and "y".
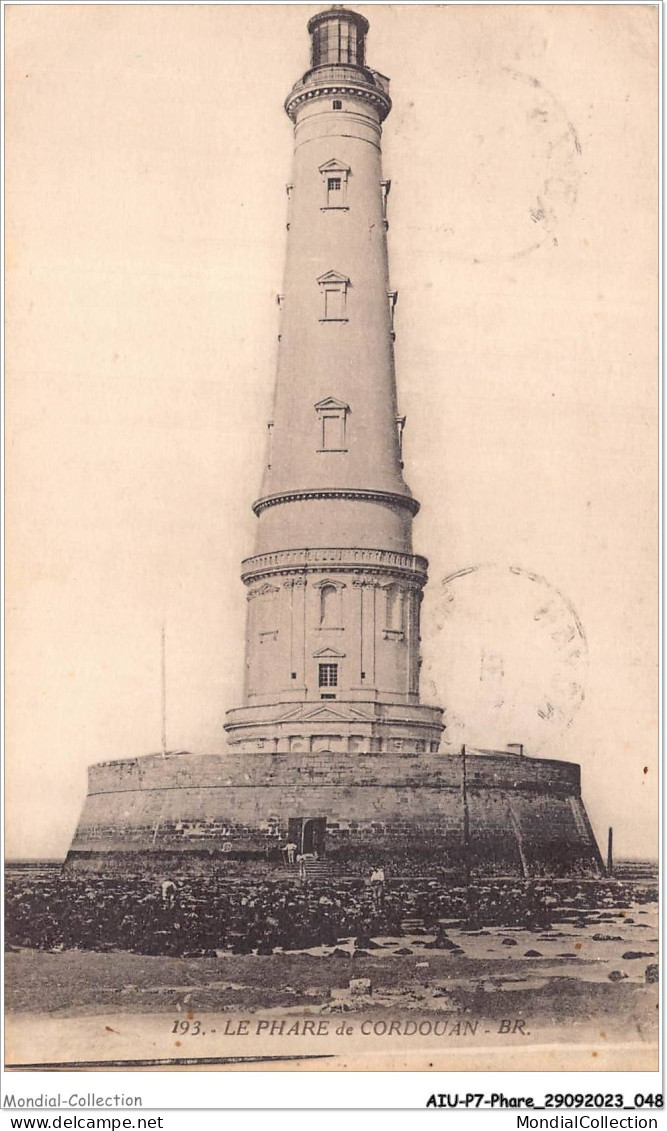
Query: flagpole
{"x": 164, "y": 693}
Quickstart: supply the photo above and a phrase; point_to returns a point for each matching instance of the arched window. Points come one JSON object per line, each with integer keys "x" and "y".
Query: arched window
{"x": 394, "y": 614}
{"x": 329, "y": 606}
{"x": 393, "y": 608}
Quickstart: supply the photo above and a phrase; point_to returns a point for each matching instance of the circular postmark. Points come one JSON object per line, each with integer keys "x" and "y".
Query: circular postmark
{"x": 511, "y": 166}
{"x": 507, "y": 660}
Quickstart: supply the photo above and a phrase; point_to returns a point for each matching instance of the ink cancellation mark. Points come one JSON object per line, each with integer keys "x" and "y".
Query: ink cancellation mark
{"x": 523, "y": 184}
{"x": 510, "y": 659}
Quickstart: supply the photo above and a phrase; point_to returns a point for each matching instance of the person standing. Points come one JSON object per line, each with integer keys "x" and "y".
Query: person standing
{"x": 377, "y": 888}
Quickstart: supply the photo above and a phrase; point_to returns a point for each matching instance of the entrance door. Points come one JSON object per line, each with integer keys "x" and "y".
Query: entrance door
{"x": 308, "y": 833}
{"x": 294, "y": 831}
{"x": 314, "y": 835}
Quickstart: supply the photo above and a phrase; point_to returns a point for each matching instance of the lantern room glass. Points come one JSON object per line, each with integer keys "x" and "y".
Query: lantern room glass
{"x": 337, "y": 40}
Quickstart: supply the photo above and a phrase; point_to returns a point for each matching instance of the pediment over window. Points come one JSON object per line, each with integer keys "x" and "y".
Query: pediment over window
{"x": 328, "y": 653}
{"x": 333, "y": 277}
{"x": 332, "y": 402}
{"x": 334, "y": 166}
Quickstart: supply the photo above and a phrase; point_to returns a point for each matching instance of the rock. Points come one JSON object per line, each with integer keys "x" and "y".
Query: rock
{"x": 510, "y": 942}
{"x": 616, "y": 975}
{"x": 403, "y": 950}
{"x": 421, "y": 966}
{"x": 361, "y": 954}
{"x": 360, "y": 987}
{"x": 567, "y": 954}
{"x": 532, "y": 954}
{"x": 638, "y": 954}
{"x": 443, "y": 943}
{"x": 652, "y": 973}
{"x": 363, "y": 942}
{"x": 338, "y": 953}
{"x": 607, "y": 938}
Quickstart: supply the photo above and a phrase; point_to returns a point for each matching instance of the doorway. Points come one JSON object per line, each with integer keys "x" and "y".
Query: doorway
{"x": 308, "y": 833}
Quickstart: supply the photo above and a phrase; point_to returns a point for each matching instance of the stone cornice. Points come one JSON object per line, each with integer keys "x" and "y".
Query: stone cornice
{"x": 355, "y": 494}
{"x": 380, "y": 101}
{"x": 410, "y": 567}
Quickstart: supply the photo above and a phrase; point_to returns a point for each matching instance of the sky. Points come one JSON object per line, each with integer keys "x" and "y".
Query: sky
{"x": 147, "y": 153}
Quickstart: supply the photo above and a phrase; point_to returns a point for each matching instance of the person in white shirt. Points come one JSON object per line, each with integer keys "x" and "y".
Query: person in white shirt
{"x": 377, "y": 887}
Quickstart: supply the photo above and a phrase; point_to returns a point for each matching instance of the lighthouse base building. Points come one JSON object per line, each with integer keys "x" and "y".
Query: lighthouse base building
{"x": 490, "y": 814}
{"x": 331, "y": 751}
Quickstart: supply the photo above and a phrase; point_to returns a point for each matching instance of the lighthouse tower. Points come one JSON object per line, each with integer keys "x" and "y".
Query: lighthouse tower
{"x": 334, "y": 588}
{"x": 331, "y": 749}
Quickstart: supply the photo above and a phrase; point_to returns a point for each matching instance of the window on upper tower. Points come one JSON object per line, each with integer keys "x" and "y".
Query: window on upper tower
{"x": 337, "y": 104}
{"x": 334, "y": 295}
{"x": 334, "y": 304}
{"x": 332, "y": 433}
{"x": 334, "y": 179}
{"x": 332, "y": 416}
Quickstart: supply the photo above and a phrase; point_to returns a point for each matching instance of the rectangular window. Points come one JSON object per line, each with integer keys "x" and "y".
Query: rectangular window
{"x": 332, "y": 433}
{"x": 334, "y": 304}
{"x": 335, "y": 195}
{"x": 328, "y": 675}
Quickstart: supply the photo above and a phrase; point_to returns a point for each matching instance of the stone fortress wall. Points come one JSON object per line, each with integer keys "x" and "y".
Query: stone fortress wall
{"x": 524, "y": 816}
